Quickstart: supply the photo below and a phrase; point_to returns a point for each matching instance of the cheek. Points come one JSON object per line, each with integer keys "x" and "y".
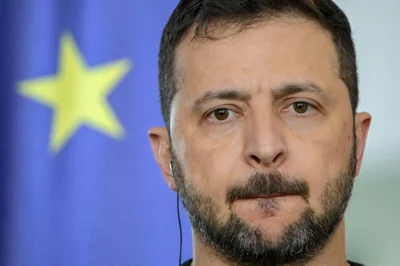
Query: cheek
{"x": 211, "y": 163}
{"x": 321, "y": 157}
{"x": 339, "y": 144}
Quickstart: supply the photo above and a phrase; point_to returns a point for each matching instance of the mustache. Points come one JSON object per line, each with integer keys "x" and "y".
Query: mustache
{"x": 268, "y": 184}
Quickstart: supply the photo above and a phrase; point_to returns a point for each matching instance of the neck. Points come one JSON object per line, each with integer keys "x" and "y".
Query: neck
{"x": 333, "y": 254}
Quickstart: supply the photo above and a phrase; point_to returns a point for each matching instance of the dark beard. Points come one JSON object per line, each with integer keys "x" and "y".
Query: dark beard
{"x": 238, "y": 243}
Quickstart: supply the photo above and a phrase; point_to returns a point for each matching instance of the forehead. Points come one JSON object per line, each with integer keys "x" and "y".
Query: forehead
{"x": 266, "y": 55}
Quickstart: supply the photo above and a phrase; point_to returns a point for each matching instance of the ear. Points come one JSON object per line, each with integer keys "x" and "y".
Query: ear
{"x": 362, "y": 125}
{"x": 160, "y": 145}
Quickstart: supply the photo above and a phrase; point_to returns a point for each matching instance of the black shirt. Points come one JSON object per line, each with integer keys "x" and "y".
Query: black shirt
{"x": 187, "y": 263}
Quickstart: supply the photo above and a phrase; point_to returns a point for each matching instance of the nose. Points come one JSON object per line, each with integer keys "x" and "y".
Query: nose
{"x": 265, "y": 146}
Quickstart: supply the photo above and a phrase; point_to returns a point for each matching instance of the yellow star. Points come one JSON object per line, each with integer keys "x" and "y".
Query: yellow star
{"x": 77, "y": 94}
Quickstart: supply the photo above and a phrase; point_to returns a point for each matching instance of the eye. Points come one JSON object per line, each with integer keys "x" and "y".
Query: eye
{"x": 221, "y": 114}
{"x": 301, "y": 108}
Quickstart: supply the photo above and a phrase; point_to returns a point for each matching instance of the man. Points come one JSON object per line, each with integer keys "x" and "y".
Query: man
{"x": 262, "y": 139}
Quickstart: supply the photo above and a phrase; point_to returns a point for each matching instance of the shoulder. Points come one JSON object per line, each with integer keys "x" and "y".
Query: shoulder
{"x": 188, "y": 262}
{"x": 351, "y": 264}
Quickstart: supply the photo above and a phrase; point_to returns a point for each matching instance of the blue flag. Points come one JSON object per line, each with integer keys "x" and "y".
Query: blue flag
{"x": 79, "y": 183}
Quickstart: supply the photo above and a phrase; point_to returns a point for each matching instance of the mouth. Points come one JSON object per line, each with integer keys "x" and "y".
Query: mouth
{"x": 271, "y": 196}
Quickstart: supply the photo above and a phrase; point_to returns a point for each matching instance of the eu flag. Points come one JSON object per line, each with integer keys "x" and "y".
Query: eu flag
{"x": 79, "y": 185}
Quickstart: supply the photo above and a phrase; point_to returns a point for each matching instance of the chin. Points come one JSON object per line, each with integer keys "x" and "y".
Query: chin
{"x": 272, "y": 228}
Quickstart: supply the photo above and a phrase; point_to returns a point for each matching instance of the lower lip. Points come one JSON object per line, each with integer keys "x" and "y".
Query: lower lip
{"x": 259, "y": 207}
{"x": 271, "y": 196}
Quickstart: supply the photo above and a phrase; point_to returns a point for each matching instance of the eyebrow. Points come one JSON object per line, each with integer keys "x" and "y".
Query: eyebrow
{"x": 226, "y": 94}
{"x": 239, "y": 95}
{"x": 293, "y": 88}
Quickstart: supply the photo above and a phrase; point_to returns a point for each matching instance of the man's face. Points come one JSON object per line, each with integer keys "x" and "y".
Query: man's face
{"x": 263, "y": 143}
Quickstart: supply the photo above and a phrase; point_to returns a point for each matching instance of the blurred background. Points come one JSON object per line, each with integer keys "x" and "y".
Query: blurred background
{"x": 79, "y": 185}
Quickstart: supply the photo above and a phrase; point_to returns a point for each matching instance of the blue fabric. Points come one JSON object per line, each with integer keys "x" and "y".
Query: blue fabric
{"x": 98, "y": 200}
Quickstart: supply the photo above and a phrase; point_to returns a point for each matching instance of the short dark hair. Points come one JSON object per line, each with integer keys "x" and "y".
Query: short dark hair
{"x": 200, "y": 14}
